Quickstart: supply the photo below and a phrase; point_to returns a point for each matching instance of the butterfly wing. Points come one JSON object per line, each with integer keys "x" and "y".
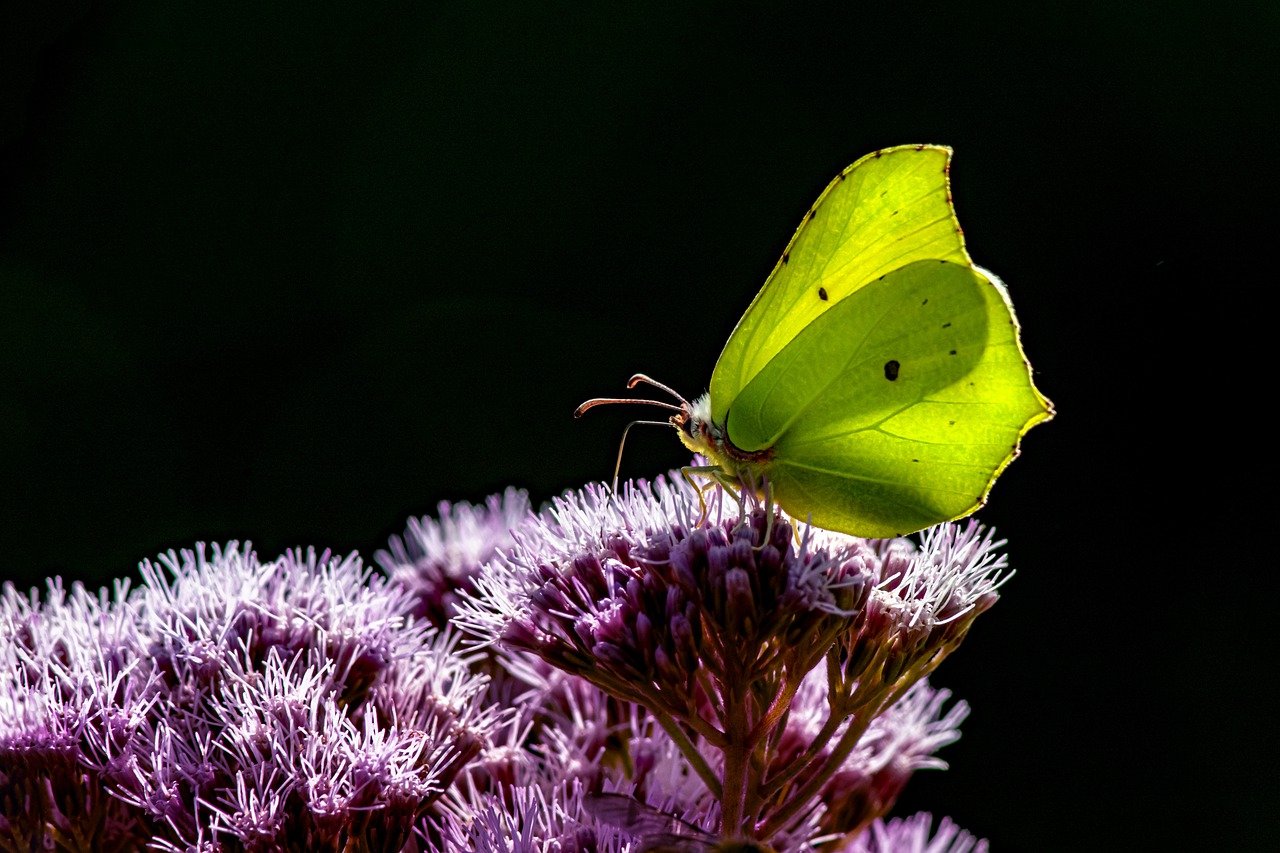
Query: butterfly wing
{"x": 886, "y": 210}
{"x": 896, "y": 408}
{"x": 656, "y": 830}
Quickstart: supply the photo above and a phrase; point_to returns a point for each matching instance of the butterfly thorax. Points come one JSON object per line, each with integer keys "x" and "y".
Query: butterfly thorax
{"x": 701, "y": 434}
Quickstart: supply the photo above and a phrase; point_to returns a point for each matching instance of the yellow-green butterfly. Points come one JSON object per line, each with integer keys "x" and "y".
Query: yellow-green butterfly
{"x": 876, "y": 384}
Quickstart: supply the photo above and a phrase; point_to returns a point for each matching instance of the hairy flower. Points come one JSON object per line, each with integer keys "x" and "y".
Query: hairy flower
{"x": 522, "y": 819}
{"x": 236, "y": 703}
{"x": 902, "y": 739}
{"x": 436, "y": 558}
{"x": 660, "y": 669}
{"x": 925, "y": 599}
{"x": 712, "y": 619}
{"x": 912, "y": 835}
{"x": 635, "y": 595}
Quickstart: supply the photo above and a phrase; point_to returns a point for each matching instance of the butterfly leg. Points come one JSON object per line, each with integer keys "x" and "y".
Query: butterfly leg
{"x": 713, "y": 473}
{"x": 741, "y": 488}
{"x": 736, "y": 489}
{"x": 769, "y": 513}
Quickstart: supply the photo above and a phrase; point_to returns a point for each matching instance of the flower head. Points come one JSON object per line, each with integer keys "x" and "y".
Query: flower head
{"x": 436, "y": 558}
{"x": 913, "y": 835}
{"x": 656, "y": 667}
{"x": 68, "y": 665}
{"x": 713, "y": 619}
{"x": 230, "y": 701}
{"x": 634, "y": 594}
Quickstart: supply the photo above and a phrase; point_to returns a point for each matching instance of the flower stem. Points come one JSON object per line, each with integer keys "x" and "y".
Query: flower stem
{"x": 690, "y": 751}
{"x": 735, "y": 761}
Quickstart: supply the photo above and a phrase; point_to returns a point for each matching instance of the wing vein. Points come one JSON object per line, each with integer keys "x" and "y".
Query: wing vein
{"x": 864, "y": 478}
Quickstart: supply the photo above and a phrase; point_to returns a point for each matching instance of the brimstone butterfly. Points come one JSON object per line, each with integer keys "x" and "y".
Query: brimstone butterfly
{"x": 877, "y": 383}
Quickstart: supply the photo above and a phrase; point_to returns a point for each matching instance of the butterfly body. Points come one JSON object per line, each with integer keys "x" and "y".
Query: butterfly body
{"x": 701, "y": 434}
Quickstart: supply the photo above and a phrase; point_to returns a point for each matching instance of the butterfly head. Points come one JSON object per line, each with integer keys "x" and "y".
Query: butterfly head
{"x": 696, "y": 429}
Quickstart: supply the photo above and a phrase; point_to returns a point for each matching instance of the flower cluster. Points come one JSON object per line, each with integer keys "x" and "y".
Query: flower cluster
{"x": 656, "y": 669}
{"x": 436, "y": 558}
{"x": 781, "y": 671}
{"x": 229, "y": 703}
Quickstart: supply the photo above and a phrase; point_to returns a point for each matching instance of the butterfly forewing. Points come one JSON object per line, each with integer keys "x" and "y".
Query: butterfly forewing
{"x": 885, "y": 211}
{"x": 904, "y": 337}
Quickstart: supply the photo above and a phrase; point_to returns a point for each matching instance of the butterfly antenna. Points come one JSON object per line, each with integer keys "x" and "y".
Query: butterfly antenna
{"x": 618, "y": 465}
{"x": 605, "y": 401}
{"x": 635, "y": 380}
{"x": 640, "y": 377}
{"x": 631, "y": 383}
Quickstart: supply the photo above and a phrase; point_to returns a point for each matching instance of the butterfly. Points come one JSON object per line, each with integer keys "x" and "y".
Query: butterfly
{"x": 660, "y": 832}
{"x": 877, "y": 384}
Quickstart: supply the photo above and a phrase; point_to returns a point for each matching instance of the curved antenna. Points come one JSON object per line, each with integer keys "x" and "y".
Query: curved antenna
{"x": 604, "y": 401}
{"x": 677, "y": 420}
{"x": 618, "y": 465}
{"x": 640, "y": 377}
{"x": 631, "y": 383}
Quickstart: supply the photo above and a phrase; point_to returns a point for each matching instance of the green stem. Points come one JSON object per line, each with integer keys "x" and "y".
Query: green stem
{"x": 841, "y": 710}
{"x": 647, "y": 697}
{"x": 806, "y": 759}
{"x": 809, "y": 789}
{"x": 735, "y": 761}
{"x": 651, "y": 698}
{"x": 690, "y": 752}
{"x": 874, "y": 706}
{"x": 782, "y": 703}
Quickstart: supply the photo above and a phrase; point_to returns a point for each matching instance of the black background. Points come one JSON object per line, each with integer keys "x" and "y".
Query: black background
{"x": 292, "y": 272}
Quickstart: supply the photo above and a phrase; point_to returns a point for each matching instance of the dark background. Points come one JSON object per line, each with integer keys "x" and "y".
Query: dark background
{"x": 292, "y": 272}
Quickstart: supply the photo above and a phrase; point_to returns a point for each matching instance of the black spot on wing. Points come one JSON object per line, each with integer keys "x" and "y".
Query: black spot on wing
{"x": 891, "y": 369}
{"x": 822, "y": 294}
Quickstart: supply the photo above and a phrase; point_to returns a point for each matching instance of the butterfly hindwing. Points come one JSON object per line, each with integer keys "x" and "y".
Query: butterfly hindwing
{"x": 896, "y": 409}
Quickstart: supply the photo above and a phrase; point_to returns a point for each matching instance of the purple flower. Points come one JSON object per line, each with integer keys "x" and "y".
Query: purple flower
{"x": 713, "y": 619}
{"x": 656, "y": 670}
{"x": 896, "y": 743}
{"x": 635, "y": 595}
{"x": 435, "y": 559}
{"x": 231, "y": 703}
{"x": 912, "y": 835}
{"x": 523, "y": 819}
{"x": 67, "y": 666}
